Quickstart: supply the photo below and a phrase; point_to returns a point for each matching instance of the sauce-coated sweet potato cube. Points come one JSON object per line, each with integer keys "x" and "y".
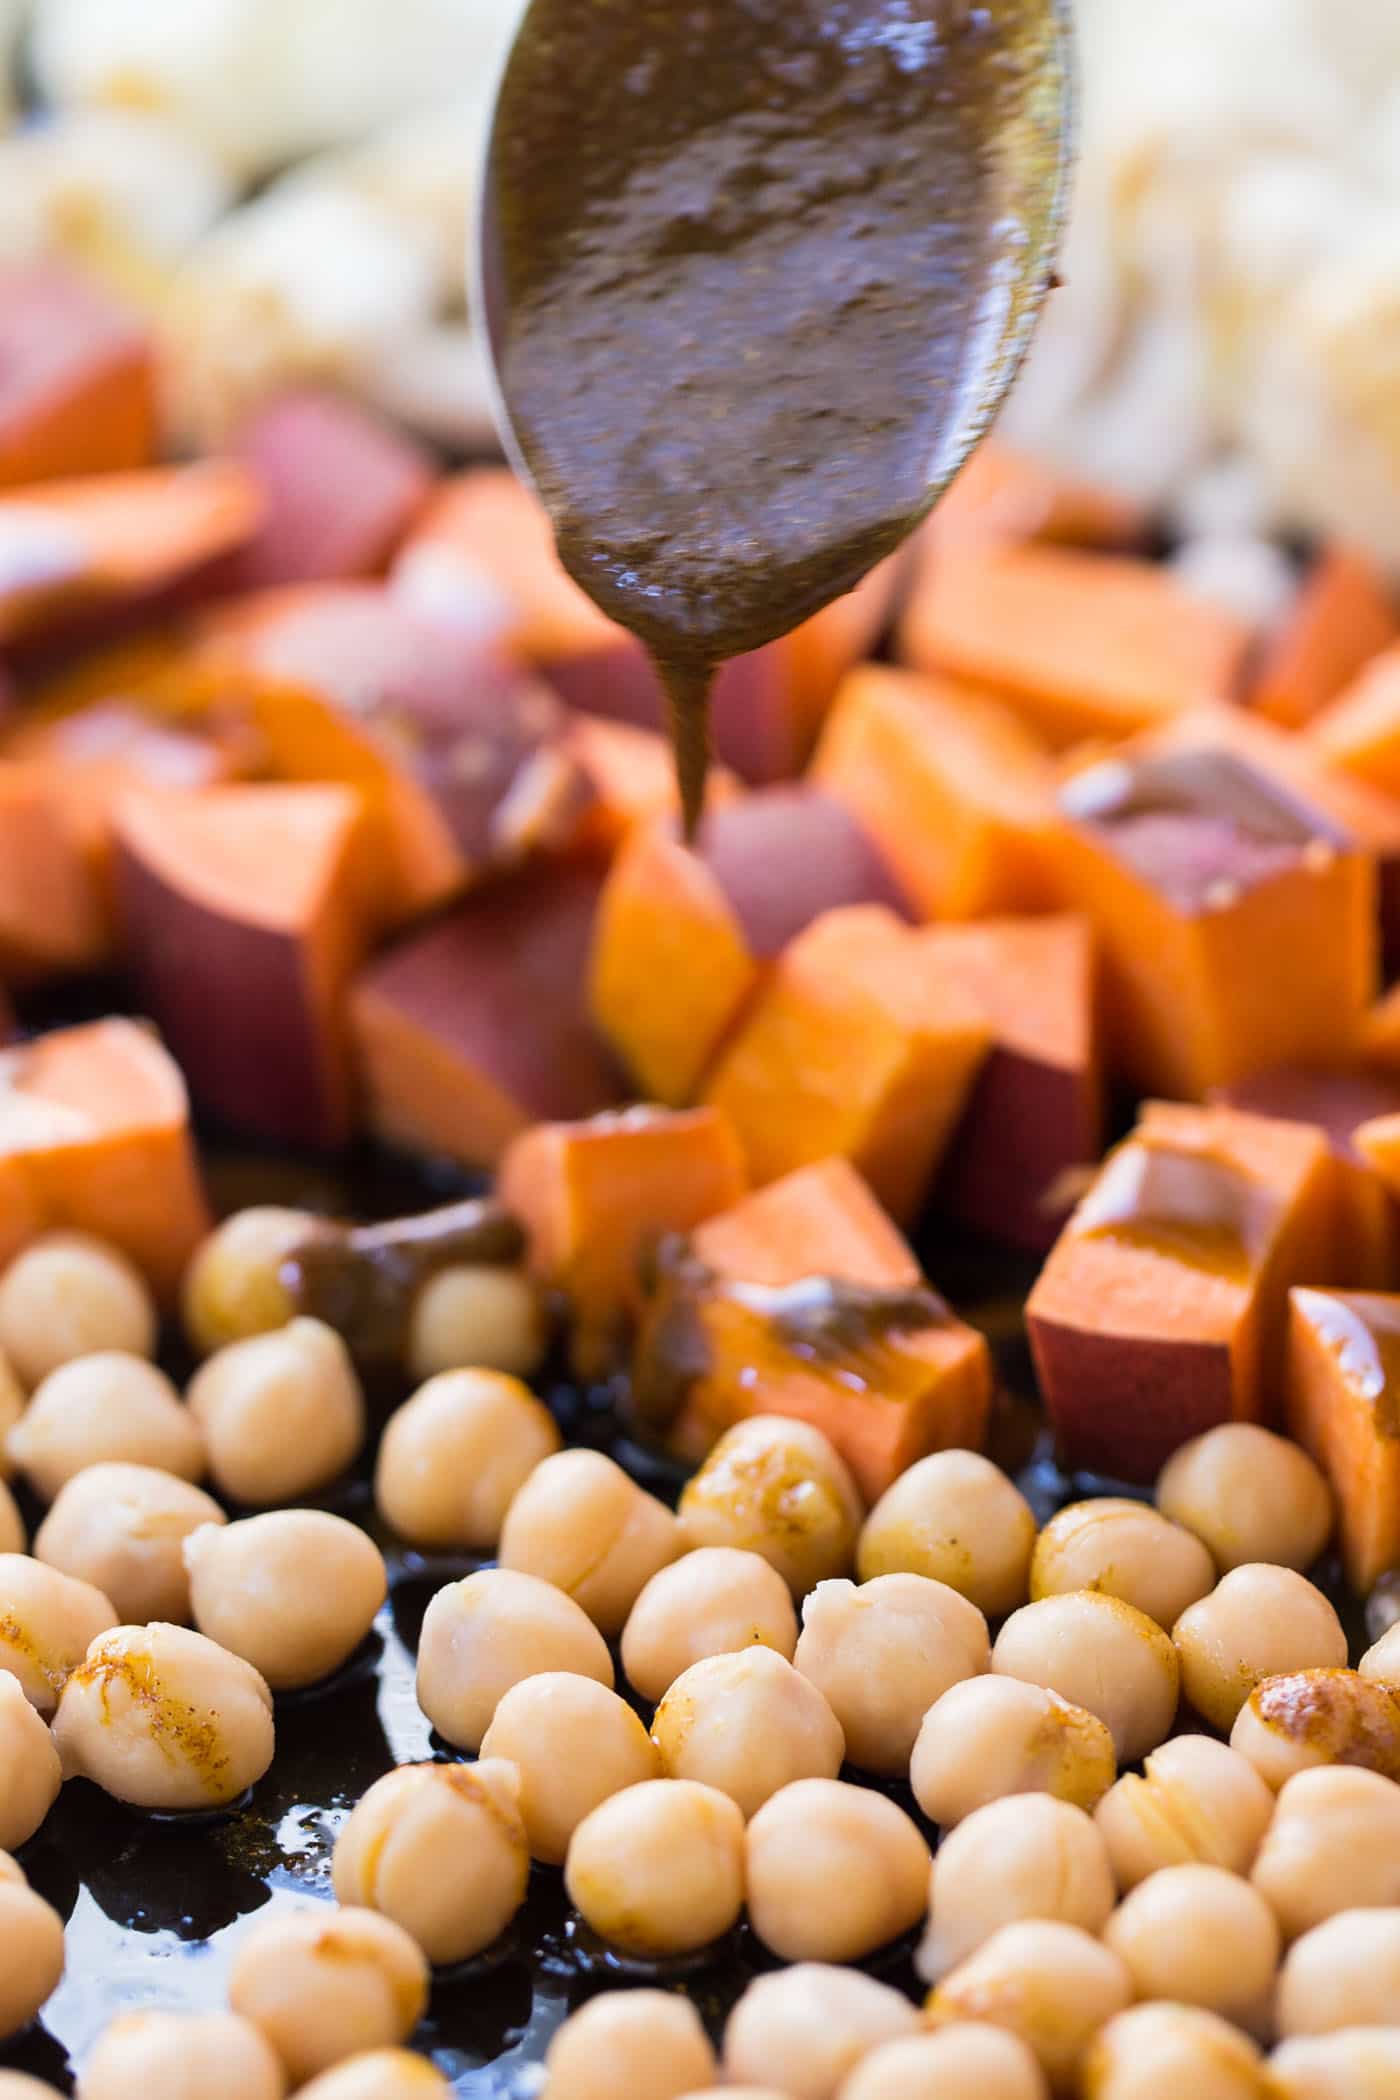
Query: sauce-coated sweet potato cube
{"x": 1360, "y": 732}
{"x": 1082, "y": 645}
{"x": 1344, "y": 1405}
{"x": 52, "y": 918}
{"x": 477, "y": 1027}
{"x": 596, "y": 1197}
{"x": 857, "y": 1043}
{"x": 95, "y": 1136}
{"x": 1342, "y": 617}
{"x": 954, "y": 789}
{"x": 805, "y": 1300}
{"x": 246, "y": 911}
{"x": 630, "y": 778}
{"x": 1160, "y": 1311}
{"x": 1203, "y": 875}
{"x": 1036, "y": 1112}
{"x": 77, "y": 380}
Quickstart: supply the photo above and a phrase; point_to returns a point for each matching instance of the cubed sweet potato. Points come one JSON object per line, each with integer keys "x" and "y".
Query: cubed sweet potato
{"x": 77, "y": 380}
{"x": 1342, "y": 617}
{"x": 1161, "y": 1309}
{"x": 1003, "y": 494}
{"x": 246, "y": 911}
{"x": 52, "y": 915}
{"x": 1344, "y": 1406}
{"x": 595, "y": 1197}
{"x": 1360, "y": 732}
{"x": 630, "y": 779}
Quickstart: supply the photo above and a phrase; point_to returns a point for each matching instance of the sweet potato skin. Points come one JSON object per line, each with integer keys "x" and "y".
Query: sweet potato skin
{"x": 1353, "y": 1433}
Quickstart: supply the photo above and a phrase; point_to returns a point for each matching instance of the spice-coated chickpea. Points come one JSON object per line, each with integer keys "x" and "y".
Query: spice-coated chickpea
{"x": 964, "y": 2061}
{"x": 490, "y": 1631}
{"x": 173, "y": 2056}
{"x": 1381, "y": 1662}
{"x": 1052, "y": 1984}
{"x": 31, "y": 1955}
{"x": 1195, "y": 1800}
{"x": 12, "y": 1536}
{"x": 1101, "y": 1654}
{"x": 711, "y": 1602}
{"x": 1333, "y": 1844}
{"x": 326, "y": 1983}
{"x": 1319, "y": 1717}
{"x": 747, "y": 1724}
{"x": 780, "y": 1489}
{"x": 105, "y": 1409}
{"x": 993, "y": 1736}
{"x": 882, "y": 1653}
{"x": 1199, "y": 1936}
{"x": 441, "y": 1850}
{"x": 833, "y": 1872}
{"x": 30, "y": 1771}
{"x": 659, "y": 1869}
{"x": 1249, "y": 1496}
{"x": 293, "y": 1591}
{"x": 1257, "y": 1622}
{"x": 47, "y": 1621}
{"x": 574, "y": 1744}
{"x": 13, "y": 1399}
{"x": 648, "y": 2045}
{"x": 956, "y": 1517}
{"x": 282, "y": 1413}
{"x": 380, "y": 2074}
{"x": 489, "y": 1318}
{"x": 582, "y": 1524}
{"x": 1028, "y": 1856}
{"x": 454, "y": 1457}
{"x": 121, "y": 1527}
{"x": 233, "y": 1287}
{"x": 1359, "y": 2063}
{"x": 162, "y": 1718}
{"x": 1344, "y": 1973}
{"x": 69, "y": 1295}
{"x": 806, "y": 2028}
{"x": 1161, "y": 2052}
{"x": 1126, "y": 1550}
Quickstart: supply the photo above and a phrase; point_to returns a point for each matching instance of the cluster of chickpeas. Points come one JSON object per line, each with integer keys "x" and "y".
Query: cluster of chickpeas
{"x": 1169, "y": 1813}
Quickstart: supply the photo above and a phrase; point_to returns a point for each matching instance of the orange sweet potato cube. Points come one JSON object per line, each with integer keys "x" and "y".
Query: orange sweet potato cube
{"x": 78, "y": 391}
{"x": 52, "y": 916}
{"x": 1160, "y": 1311}
{"x": 1342, "y": 617}
{"x": 1360, "y": 732}
{"x": 1344, "y": 1406}
{"x": 857, "y": 1044}
{"x": 1002, "y": 494}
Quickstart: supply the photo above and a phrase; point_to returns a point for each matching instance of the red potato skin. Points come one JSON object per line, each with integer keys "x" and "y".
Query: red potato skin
{"x": 785, "y": 856}
{"x": 77, "y": 380}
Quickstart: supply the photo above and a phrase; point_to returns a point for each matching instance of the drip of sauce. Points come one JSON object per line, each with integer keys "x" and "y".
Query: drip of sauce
{"x": 1362, "y": 1330}
{"x": 1190, "y": 1206}
{"x": 755, "y": 275}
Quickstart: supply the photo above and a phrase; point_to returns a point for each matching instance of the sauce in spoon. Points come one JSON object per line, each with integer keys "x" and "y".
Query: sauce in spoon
{"x": 756, "y": 273}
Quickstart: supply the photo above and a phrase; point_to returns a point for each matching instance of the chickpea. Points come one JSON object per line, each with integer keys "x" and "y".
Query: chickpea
{"x": 182, "y": 2056}
{"x": 293, "y": 1592}
{"x": 712, "y": 1602}
{"x": 31, "y": 1955}
{"x": 883, "y": 1653}
{"x": 1257, "y": 1622}
{"x": 1196, "y": 1800}
{"x": 108, "y": 1408}
{"x": 1333, "y": 1844}
{"x": 454, "y": 1457}
{"x": 1319, "y": 1717}
{"x": 1101, "y": 1654}
{"x": 233, "y": 1287}
{"x": 659, "y": 1869}
{"x": 1359, "y": 2063}
{"x": 1199, "y": 1936}
{"x": 574, "y": 1744}
{"x": 1248, "y": 1495}
{"x": 833, "y": 1872}
{"x": 490, "y": 1319}
{"x": 12, "y": 1534}
{"x": 1028, "y": 1856}
{"x": 121, "y": 1528}
{"x": 963, "y": 2061}
{"x": 1051, "y": 1984}
{"x": 780, "y": 1489}
{"x": 957, "y": 1518}
{"x": 747, "y": 1724}
{"x": 809, "y": 2026}
{"x": 69, "y": 1295}
{"x": 582, "y": 1524}
{"x": 30, "y": 1771}
{"x": 1381, "y": 1662}
{"x": 1159, "y": 2052}
{"x": 1125, "y": 1550}
{"x": 648, "y": 2045}
{"x": 162, "y": 1718}
{"x": 47, "y": 1621}
{"x": 380, "y": 2074}
{"x": 12, "y": 1403}
{"x": 283, "y": 1413}
{"x": 441, "y": 1850}
{"x": 18, "y": 2085}
{"x": 993, "y": 1736}
{"x": 490, "y": 1631}
{"x": 326, "y": 1983}
{"x": 1344, "y": 1973}
{"x": 12, "y": 1872}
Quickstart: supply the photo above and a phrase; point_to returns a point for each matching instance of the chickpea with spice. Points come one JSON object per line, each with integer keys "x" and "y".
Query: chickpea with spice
{"x": 714, "y": 1601}
{"x": 833, "y": 1872}
{"x": 807, "y": 2028}
{"x": 1122, "y": 1549}
{"x": 69, "y": 1295}
{"x": 573, "y": 1744}
{"x": 778, "y": 1488}
{"x": 455, "y": 1455}
{"x": 326, "y": 1983}
{"x": 293, "y": 1592}
{"x": 747, "y": 1724}
{"x": 1257, "y": 1622}
{"x": 1053, "y": 1985}
{"x": 1333, "y": 1845}
{"x": 122, "y": 1528}
{"x": 993, "y": 1736}
{"x": 233, "y": 1287}
{"x": 955, "y": 1517}
{"x": 491, "y": 1631}
{"x": 1025, "y": 1857}
{"x": 47, "y": 1621}
{"x": 581, "y": 1523}
{"x": 440, "y": 1849}
{"x": 1101, "y": 1654}
{"x": 30, "y": 1771}
{"x": 1249, "y": 1496}
{"x": 107, "y": 1409}
{"x": 1319, "y": 1717}
{"x": 659, "y": 1870}
{"x": 648, "y": 2045}
{"x": 1198, "y": 1935}
{"x": 882, "y": 1653}
{"x": 169, "y": 2056}
{"x": 1195, "y": 1800}
{"x": 1160, "y": 2052}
